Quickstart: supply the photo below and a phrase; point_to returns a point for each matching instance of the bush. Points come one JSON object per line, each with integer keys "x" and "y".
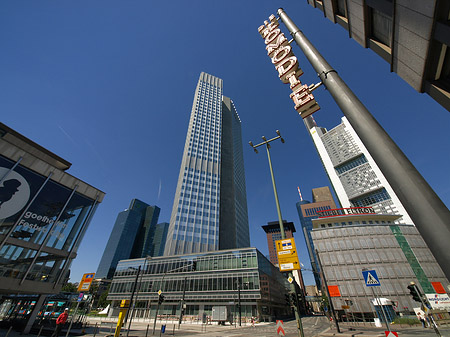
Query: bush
{"x": 406, "y": 320}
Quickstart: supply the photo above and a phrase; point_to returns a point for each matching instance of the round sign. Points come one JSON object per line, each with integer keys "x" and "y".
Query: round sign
{"x": 14, "y": 193}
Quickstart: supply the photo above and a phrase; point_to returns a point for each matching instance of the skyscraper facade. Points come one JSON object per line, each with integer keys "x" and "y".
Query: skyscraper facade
{"x": 356, "y": 178}
{"x": 307, "y": 211}
{"x": 131, "y": 237}
{"x": 159, "y": 238}
{"x": 210, "y": 206}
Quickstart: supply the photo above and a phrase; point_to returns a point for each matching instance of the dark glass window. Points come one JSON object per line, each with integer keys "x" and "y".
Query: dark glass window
{"x": 340, "y": 8}
{"x": 381, "y": 26}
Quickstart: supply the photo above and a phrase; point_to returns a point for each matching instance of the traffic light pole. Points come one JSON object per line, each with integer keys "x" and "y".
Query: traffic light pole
{"x": 182, "y": 303}
{"x": 280, "y": 219}
{"x": 426, "y": 209}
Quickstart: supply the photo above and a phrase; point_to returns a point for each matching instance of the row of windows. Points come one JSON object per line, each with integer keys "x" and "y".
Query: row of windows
{"x": 200, "y": 198}
{"x": 357, "y": 230}
{"x": 356, "y": 243}
{"x": 196, "y": 211}
{"x": 195, "y": 239}
{"x": 222, "y": 282}
{"x": 232, "y": 260}
{"x": 196, "y": 229}
{"x": 371, "y": 198}
{"x": 313, "y": 211}
{"x": 197, "y": 183}
{"x": 351, "y": 164}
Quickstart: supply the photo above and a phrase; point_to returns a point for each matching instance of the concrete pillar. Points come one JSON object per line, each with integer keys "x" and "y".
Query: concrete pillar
{"x": 32, "y": 318}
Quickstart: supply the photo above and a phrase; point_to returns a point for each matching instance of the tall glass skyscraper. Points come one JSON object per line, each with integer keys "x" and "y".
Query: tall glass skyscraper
{"x": 131, "y": 237}
{"x": 210, "y": 207}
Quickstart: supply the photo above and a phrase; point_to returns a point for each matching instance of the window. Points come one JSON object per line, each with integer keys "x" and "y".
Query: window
{"x": 381, "y": 26}
{"x": 340, "y": 8}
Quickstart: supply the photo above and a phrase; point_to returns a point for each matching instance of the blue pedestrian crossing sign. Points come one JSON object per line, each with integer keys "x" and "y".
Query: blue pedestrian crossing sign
{"x": 371, "y": 278}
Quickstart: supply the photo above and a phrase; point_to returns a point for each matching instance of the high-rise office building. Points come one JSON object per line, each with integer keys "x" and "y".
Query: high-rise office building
{"x": 307, "y": 211}
{"x": 131, "y": 237}
{"x": 412, "y": 36}
{"x": 159, "y": 238}
{"x": 273, "y": 234}
{"x": 210, "y": 206}
{"x": 354, "y": 175}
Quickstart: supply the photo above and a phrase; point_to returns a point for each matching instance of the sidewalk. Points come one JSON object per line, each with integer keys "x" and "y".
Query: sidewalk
{"x": 349, "y": 330}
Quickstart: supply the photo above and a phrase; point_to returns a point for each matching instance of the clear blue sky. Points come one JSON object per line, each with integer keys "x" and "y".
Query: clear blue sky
{"x": 108, "y": 86}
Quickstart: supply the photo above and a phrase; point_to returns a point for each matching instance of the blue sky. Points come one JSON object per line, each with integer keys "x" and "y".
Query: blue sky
{"x": 108, "y": 86}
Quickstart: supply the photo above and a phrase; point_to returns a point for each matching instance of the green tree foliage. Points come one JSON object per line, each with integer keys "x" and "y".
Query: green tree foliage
{"x": 70, "y": 287}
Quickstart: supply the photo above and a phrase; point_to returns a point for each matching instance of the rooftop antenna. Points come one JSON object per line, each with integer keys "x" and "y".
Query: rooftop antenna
{"x": 299, "y": 193}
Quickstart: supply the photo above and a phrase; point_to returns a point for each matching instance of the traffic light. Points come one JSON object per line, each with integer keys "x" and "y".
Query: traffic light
{"x": 287, "y": 299}
{"x": 160, "y": 299}
{"x": 294, "y": 299}
{"x": 414, "y": 292}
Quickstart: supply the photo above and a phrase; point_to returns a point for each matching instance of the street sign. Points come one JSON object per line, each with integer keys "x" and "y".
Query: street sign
{"x": 86, "y": 282}
{"x": 287, "y": 255}
{"x": 80, "y": 297}
{"x": 345, "y": 307}
{"x": 290, "y": 279}
{"x": 280, "y": 329}
{"x": 159, "y": 292}
{"x": 391, "y": 334}
{"x": 371, "y": 278}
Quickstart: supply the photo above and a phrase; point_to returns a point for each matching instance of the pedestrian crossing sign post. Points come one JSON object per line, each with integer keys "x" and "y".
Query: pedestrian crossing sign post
{"x": 371, "y": 278}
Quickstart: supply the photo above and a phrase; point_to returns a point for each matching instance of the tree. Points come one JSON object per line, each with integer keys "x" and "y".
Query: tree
{"x": 102, "y": 301}
{"x": 70, "y": 287}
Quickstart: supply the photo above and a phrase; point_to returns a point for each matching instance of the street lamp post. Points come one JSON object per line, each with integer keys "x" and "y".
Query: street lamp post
{"x": 131, "y": 299}
{"x": 136, "y": 287}
{"x": 280, "y": 218}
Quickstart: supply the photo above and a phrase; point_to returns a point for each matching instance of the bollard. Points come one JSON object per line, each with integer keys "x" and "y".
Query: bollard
{"x": 40, "y": 330}
{"x": 173, "y": 330}
{"x": 9, "y": 330}
{"x": 95, "y": 329}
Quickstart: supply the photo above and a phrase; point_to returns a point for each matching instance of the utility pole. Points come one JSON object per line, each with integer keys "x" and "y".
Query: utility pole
{"x": 280, "y": 218}
{"x": 426, "y": 209}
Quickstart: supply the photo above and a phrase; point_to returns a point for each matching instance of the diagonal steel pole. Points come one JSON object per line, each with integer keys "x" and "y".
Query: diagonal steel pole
{"x": 426, "y": 209}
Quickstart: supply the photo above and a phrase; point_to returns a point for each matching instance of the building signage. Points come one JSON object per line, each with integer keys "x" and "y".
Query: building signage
{"x": 285, "y": 62}
{"x": 334, "y": 291}
{"x": 439, "y": 301}
{"x": 86, "y": 282}
{"x": 438, "y": 287}
{"x": 287, "y": 255}
{"x": 345, "y": 211}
